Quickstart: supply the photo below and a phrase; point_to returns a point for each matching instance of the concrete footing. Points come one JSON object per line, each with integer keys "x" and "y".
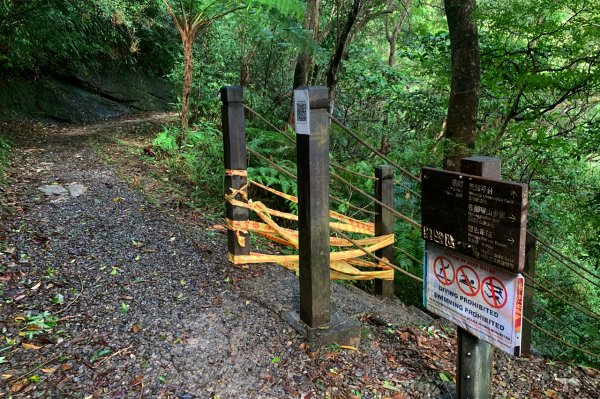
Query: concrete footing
{"x": 341, "y": 330}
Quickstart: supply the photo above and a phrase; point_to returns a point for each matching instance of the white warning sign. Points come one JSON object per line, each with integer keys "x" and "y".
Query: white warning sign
{"x": 483, "y": 300}
{"x": 301, "y": 112}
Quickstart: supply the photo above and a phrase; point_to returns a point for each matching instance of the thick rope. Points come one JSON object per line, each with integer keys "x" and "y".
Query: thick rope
{"x": 565, "y": 325}
{"x": 558, "y": 339}
{"x": 374, "y": 150}
{"x": 570, "y": 301}
{"x": 377, "y": 258}
{"x": 415, "y": 224}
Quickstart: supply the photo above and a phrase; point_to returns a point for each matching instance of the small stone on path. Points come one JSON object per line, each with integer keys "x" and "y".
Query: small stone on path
{"x": 76, "y": 189}
{"x": 51, "y": 190}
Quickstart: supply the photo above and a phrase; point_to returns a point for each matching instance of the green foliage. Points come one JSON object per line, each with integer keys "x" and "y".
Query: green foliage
{"x": 166, "y": 141}
{"x": 274, "y": 146}
{"x": 39, "y": 35}
{"x": 36, "y": 324}
{"x": 5, "y": 147}
{"x": 198, "y": 163}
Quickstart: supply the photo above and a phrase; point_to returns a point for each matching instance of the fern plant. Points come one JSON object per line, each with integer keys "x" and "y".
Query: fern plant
{"x": 166, "y": 141}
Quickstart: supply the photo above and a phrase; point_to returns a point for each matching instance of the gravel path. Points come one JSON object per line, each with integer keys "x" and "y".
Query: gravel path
{"x": 148, "y": 313}
{"x": 109, "y": 296}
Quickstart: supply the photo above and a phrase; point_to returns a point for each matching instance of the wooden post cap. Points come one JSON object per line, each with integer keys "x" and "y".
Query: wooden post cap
{"x": 232, "y": 94}
{"x": 318, "y": 96}
{"x": 384, "y": 172}
{"x": 488, "y": 167}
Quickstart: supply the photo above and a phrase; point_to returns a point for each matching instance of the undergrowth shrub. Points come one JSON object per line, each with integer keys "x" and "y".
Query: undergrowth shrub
{"x": 198, "y": 163}
{"x": 166, "y": 141}
{"x": 5, "y": 146}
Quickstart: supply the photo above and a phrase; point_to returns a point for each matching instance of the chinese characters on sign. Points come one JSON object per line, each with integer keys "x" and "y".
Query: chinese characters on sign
{"x": 475, "y": 216}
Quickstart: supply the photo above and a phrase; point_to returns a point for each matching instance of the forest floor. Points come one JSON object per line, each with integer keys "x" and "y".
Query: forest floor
{"x": 112, "y": 288}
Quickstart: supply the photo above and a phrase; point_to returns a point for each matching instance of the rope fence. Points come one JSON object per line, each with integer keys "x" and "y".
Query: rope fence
{"x": 539, "y": 284}
{"x": 374, "y": 150}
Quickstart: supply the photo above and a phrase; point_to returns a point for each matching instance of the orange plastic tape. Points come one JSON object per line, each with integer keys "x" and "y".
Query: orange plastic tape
{"x": 333, "y": 256}
{"x": 343, "y": 264}
{"x": 236, "y": 172}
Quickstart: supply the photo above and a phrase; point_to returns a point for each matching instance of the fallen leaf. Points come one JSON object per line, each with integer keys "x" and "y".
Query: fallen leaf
{"x": 19, "y": 385}
{"x": 388, "y": 386}
{"x": 49, "y": 370}
{"x": 135, "y": 328}
{"x": 63, "y": 382}
{"x": 591, "y": 371}
{"x": 31, "y": 346}
{"x": 66, "y": 367}
{"x": 6, "y": 376}
{"x": 348, "y": 347}
{"x": 551, "y": 393}
{"x": 36, "y": 286}
{"x": 446, "y": 376}
{"x": 137, "y": 380}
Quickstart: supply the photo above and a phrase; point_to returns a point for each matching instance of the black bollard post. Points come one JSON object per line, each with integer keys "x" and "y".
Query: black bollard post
{"x": 234, "y": 143}
{"x": 313, "y": 209}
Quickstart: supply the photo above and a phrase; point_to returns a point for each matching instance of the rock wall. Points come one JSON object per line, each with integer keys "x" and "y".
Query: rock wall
{"x": 81, "y": 98}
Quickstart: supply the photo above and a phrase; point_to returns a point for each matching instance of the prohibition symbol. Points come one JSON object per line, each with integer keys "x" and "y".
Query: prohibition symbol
{"x": 467, "y": 280}
{"x": 444, "y": 270}
{"x": 494, "y": 292}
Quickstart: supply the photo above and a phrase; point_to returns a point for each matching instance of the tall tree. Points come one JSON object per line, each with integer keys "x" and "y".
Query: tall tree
{"x": 194, "y": 17}
{"x": 306, "y": 58}
{"x": 398, "y": 11}
{"x": 357, "y": 15}
{"x": 461, "y": 121}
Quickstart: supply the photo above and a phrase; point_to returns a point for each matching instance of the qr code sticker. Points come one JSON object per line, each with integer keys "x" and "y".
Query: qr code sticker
{"x": 301, "y": 111}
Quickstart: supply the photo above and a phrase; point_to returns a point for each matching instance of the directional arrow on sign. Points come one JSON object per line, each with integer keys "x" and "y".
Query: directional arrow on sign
{"x": 512, "y": 218}
{"x": 513, "y": 193}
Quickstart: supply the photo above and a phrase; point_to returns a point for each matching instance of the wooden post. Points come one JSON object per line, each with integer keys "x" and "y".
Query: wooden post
{"x": 384, "y": 222}
{"x": 234, "y": 144}
{"x": 474, "y": 367}
{"x": 530, "y": 255}
{"x": 313, "y": 211}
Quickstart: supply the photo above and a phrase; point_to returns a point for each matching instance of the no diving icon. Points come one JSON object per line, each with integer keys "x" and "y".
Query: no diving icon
{"x": 444, "y": 270}
{"x": 467, "y": 280}
{"x": 494, "y": 292}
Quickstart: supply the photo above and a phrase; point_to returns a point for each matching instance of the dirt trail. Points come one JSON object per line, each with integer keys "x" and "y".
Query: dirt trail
{"x": 140, "y": 305}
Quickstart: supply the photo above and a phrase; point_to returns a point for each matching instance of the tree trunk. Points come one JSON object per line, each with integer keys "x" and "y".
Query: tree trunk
{"x": 340, "y": 46}
{"x": 392, "y": 31}
{"x": 306, "y": 60}
{"x": 245, "y": 68}
{"x": 461, "y": 124}
{"x": 187, "y": 38}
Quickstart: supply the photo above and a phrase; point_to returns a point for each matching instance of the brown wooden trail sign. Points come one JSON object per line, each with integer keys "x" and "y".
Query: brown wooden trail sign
{"x": 482, "y": 218}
